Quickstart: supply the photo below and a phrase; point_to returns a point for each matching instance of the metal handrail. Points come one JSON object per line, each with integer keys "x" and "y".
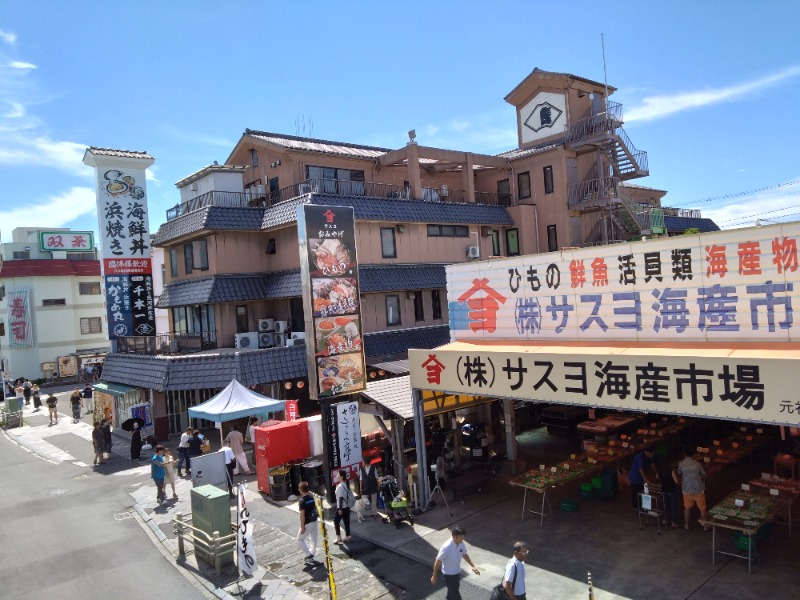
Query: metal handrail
{"x": 216, "y": 544}
{"x": 639, "y": 156}
{"x": 168, "y": 343}
{"x": 593, "y": 189}
{"x": 604, "y": 123}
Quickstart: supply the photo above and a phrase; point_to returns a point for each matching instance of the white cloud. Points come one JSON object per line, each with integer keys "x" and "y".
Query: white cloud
{"x": 657, "y": 107}
{"x": 54, "y": 211}
{"x": 769, "y": 206}
{"x": 18, "y": 64}
{"x": 195, "y": 137}
{"x": 42, "y": 151}
{"x": 480, "y": 134}
{"x": 8, "y": 37}
{"x": 16, "y": 111}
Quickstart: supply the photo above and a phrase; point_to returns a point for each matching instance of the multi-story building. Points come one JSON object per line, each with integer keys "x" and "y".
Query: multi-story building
{"x": 52, "y": 319}
{"x": 232, "y": 266}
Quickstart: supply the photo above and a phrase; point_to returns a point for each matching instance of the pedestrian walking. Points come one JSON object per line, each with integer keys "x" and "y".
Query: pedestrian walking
{"x": 26, "y": 391}
{"x": 97, "y": 442}
{"x": 691, "y": 476}
{"x": 342, "y": 508}
{"x": 195, "y": 445}
{"x": 158, "y": 473}
{"x": 230, "y": 462}
{"x": 37, "y": 399}
{"x": 87, "y": 395}
{"x": 309, "y": 530}
{"x": 105, "y": 426}
{"x": 77, "y": 404}
{"x": 448, "y": 561}
{"x": 514, "y": 576}
{"x": 52, "y": 403}
{"x": 236, "y": 439}
{"x": 169, "y": 467}
{"x": 368, "y": 476}
{"x": 136, "y": 442}
{"x": 183, "y": 452}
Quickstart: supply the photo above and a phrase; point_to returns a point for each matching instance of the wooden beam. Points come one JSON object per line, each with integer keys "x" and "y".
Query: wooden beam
{"x": 461, "y": 157}
{"x": 393, "y": 157}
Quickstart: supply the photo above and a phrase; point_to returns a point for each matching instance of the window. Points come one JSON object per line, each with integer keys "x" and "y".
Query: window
{"x": 448, "y": 231}
{"x": 54, "y": 302}
{"x": 504, "y": 192}
{"x": 348, "y": 182}
{"x": 22, "y": 255}
{"x": 548, "y": 179}
{"x": 242, "y": 319}
{"x": 91, "y": 325}
{"x": 173, "y": 262}
{"x": 271, "y": 247}
{"x": 2, "y": 329}
{"x": 512, "y": 242}
{"x": 436, "y": 302}
{"x": 89, "y": 288}
{"x": 193, "y": 319}
{"x": 524, "y": 184}
{"x": 2, "y": 292}
{"x": 552, "y": 238}
{"x": 81, "y": 256}
{"x": 254, "y": 157}
{"x": 392, "y": 309}
{"x": 496, "y": 243}
{"x": 388, "y": 248}
{"x": 419, "y": 307}
{"x": 195, "y": 256}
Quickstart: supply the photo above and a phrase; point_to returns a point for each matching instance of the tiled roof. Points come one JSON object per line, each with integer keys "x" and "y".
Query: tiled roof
{"x": 139, "y": 370}
{"x": 383, "y": 209}
{"x": 393, "y": 394}
{"x": 119, "y": 153}
{"x": 385, "y": 343}
{"x": 212, "y": 218}
{"x": 517, "y": 153}
{"x": 538, "y": 71}
{"x": 293, "y": 142}
{"x": 206, "y": 371}
{"x": 284, "y": 284}
{"x": 210, "y": 290}
{"x": 390, "y": 278}
{"x": 683, "y": 223}
{"x": 49, "y": 268}
{"x": 629, "y": 184}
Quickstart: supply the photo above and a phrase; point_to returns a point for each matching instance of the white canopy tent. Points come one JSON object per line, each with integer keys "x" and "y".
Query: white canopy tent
{"x": 235, "y": 402}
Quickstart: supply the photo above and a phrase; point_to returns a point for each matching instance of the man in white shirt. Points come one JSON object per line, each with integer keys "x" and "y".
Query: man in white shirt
{"x": 449, "y": 562}
{"x": 183, "y": 452}
{"x": 229, "y": 462}
{"x": 514, "y": 578}
{"x": 236, "y": 439}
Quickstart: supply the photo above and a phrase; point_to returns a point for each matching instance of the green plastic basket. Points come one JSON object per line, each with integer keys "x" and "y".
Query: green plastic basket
{"x": 568, "y": 504}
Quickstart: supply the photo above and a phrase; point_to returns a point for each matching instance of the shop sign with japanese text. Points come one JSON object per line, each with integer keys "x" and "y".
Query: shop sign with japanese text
{"x": 129, "y": 305}
{"x": 68, "y": 241}
{"x": 20, "y": 327}
{"x": 329, "y": 272}
{"x": 735, "y": 385}
{"x": 344, "y": 430}
{"x": 737, "y": 285}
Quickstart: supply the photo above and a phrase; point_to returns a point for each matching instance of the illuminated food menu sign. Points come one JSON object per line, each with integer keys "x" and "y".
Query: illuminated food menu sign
{"x": 125, "y": 240}
{"x": 329, "y": 270}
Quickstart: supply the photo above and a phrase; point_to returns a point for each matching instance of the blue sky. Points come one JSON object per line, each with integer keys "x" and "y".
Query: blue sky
{"x": 711, "y": 93}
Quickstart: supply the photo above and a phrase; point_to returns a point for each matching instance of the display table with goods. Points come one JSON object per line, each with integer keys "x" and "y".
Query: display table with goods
{"x": 730, "y": 450}
{"x": 745, "y": 511}
{"x": 541, "y": 479}
{"x": 608, "y": 425}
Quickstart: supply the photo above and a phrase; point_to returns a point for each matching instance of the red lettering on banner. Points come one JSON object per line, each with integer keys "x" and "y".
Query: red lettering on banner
{"x": 483, "y": 311}
{"x": 434, "y": 369}
{"x": 717, "y": 261}
{"x": 785, "y": 254}
{"x": 749, "y": 258}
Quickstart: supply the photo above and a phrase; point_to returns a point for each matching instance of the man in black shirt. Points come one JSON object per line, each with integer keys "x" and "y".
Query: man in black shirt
{"x": 308, "y": 523}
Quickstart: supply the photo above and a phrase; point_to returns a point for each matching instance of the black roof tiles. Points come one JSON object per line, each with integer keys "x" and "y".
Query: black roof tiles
{"x": 391, "y": 278}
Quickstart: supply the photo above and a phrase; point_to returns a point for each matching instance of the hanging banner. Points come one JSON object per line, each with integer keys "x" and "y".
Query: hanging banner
{"x": 19, "y": 319}
{"x": 344, "y": 430}
{"x": 124, "y": 239}
{"x": 67, "y": 366}
{"x": 66, "y": 241}
{"x": 291, "y": 410}
{"x": 329, "y": 273}
{"x": 736, "y": 285}
{"x": 244, "y": 536}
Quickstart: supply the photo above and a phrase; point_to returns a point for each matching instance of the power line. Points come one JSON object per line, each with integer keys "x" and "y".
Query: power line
{"x": 739, "y": 194}
{"x": 769, "y": 212}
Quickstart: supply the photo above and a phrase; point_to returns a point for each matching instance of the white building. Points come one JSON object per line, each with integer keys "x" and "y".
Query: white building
{"x": 52, "y": 316}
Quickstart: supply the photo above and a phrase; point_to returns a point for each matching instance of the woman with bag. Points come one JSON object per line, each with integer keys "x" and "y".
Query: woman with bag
{"x": 37, "y": 400}
{"x": 343, "y": 503}
{"x": 169, "y": 466}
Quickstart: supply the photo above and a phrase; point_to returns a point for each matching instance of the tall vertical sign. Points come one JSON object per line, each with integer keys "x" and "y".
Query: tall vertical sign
{"x": 329, "y": 271}
{"x": 125, "y": 240}
{"x": 19, "y": 319}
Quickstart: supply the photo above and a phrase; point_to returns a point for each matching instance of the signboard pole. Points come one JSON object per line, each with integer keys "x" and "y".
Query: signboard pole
{"x": 324, "y": 409}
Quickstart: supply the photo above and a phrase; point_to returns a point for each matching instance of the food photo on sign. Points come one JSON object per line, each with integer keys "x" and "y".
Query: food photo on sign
{"x": 331, "y": 256}
{"x": 337, "y": 335}
{"x": 335, "y": 296}
{"x": 340, "y": 374}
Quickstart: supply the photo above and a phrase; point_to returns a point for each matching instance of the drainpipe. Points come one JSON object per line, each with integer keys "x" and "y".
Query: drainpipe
{"x": 536, "y": 220}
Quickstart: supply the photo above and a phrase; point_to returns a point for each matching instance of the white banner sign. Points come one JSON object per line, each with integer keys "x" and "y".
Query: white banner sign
{"x": 19, "y": 319}
{"x": 348, "y": 429}
{"x": 244, "y": 536}
{"x": 122, "y": 212}
{"x": 738, "y": 285}
{"x": 758, "y": 386}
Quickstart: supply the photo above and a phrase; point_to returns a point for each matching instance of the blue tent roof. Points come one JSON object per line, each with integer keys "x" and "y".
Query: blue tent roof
{"x": 235, "y": 402}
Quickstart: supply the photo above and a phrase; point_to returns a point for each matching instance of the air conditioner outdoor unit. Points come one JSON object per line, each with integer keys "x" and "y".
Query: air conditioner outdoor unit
{"x": 265, "y": 325}
{"x": 266, "y": 339}
{"x": 247, "y": 340}
{"x": 295, "y": 342}
{"x": 473, "y": 252}
{"x": 260, "y": 191}
{"x": 280, "y": 339}
{"x": 444, "y": 191}
{"x": 281, "y": 326}
{"x": 298, "y": 335}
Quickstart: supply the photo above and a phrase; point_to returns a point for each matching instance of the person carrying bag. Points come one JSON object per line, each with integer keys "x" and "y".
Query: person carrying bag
{"x": 513, "y": 587}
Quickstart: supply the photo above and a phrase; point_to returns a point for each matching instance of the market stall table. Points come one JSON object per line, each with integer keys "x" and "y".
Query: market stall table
{"x": 539, "y": 480}
{"x": 607, "y": 425}
{"x": 743, "y": 511}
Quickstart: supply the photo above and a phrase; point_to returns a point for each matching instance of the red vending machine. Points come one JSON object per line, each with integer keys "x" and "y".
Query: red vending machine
{"x": 277, "y": 444}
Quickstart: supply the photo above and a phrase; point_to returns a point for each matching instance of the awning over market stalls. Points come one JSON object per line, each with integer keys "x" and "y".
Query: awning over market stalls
{"x": 750, "y": 382}
{"x": 114, "y": 389}
{"x": 235, "y": 402}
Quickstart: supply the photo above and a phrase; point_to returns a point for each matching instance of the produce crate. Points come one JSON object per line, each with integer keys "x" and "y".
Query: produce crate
{"x": 568, "y": 504}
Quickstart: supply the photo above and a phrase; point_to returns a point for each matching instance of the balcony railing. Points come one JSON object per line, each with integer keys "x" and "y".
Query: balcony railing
{"x": 258, "y": 198}
{"x": 168, "y": 343}
{"x": 592, "y": 191}
{"x": 604, "y": 123}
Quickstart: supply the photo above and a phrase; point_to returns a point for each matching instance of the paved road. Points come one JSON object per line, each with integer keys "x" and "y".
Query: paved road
{"x": 69, "y": 533}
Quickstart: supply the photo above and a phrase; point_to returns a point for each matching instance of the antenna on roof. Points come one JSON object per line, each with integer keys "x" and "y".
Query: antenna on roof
{"x": 605, "y": 77}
